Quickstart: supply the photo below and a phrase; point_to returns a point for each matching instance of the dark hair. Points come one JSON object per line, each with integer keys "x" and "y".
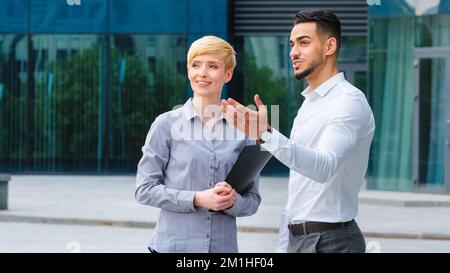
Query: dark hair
{"x": 326, "y": 22}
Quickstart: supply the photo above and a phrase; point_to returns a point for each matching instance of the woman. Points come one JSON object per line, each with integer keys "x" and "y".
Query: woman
{"x": 187, "y": 154}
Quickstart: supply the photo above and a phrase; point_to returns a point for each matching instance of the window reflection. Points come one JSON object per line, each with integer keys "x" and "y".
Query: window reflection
{"x": 76, "y": 103}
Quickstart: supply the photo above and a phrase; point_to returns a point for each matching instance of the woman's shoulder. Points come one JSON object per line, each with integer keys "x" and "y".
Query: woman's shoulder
{"x": 166, "y": 119}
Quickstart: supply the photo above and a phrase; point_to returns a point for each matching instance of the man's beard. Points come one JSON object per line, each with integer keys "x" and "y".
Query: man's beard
{"x": 305, "y": 73}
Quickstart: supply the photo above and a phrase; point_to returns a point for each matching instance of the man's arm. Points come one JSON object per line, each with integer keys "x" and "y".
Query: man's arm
{"x": 318, "y": 163}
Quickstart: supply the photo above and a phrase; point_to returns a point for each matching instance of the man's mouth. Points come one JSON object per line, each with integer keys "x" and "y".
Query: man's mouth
{"x": 297, "y": 63}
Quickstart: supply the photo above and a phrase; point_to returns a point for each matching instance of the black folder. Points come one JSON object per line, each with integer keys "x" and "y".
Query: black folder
{"x": 249, "y": 163}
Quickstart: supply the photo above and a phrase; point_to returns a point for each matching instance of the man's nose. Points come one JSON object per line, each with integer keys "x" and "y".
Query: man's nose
{"x": 294, "y": 53}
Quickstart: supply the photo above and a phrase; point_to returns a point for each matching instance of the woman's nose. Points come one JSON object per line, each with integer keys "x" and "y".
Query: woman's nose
{"x": 202, "y": 72}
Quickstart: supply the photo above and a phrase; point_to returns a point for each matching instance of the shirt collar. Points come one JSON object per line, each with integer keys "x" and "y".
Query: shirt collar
{"x": 325, "y": 87}
{"x": 190, "y": 112}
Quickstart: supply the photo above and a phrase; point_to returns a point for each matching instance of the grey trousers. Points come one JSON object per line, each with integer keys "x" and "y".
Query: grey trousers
{"x": 348, "y": 239}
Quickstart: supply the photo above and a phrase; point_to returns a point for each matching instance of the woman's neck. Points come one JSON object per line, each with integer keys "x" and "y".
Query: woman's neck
{"x": 207, "y": 107}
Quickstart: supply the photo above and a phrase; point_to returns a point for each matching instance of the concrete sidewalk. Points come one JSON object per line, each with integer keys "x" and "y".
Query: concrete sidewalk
{"x": 109, "y": 201}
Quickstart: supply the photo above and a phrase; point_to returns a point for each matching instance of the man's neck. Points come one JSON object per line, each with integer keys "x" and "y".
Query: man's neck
{"x": 320, "y": 76}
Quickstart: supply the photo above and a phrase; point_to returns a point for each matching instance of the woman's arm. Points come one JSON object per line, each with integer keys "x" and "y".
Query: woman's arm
{"x": 150, "y": 188}
{"x": 246, "y": 204}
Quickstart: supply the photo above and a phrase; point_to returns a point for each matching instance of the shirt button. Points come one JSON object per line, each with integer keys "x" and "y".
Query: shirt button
{"x": 209, "y": 218}
{"x": 207, "y": 235}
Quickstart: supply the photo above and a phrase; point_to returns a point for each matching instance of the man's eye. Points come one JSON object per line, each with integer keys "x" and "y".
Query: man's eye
{"x": 195, "y": 65}
{"x": 213, "y": 66}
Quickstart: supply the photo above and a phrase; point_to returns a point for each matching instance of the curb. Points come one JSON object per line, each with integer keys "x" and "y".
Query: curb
{"x": 402, "y": 203}
{"x": 248, "y": 229}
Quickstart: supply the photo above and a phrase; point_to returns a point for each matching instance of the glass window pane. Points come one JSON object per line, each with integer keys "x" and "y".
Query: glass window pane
{"x": 65, "y": 102}
{"x": 391, "y": 8}
{"x": 353, "y": 49}
{"x": 13, "y": 102}
{"x": 390, "y": 93}
{"x": 148, "y": 16}
{"x": 148, "y": 78}
{"x": 60, "y": 17}
{"x": 433, "y": 31}
{"x": 431, "y": 146}
{"x": 361, "y": 80}
{"x": 89, "y": 106}
{"x": 14, "y": 15}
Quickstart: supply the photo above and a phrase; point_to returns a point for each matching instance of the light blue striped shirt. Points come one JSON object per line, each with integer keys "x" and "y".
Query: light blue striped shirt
{"x": 181, "y": 156}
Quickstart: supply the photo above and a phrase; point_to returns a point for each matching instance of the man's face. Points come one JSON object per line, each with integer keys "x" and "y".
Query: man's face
{"x": 307, "y": 52}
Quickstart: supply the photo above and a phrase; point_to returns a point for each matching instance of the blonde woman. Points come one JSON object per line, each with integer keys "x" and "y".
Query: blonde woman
{"x": 187, "y": 155}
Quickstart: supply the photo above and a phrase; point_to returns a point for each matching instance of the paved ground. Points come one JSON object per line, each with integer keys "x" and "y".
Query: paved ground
{"x": 26, "y": 237}
{"x": 60, "y": 213}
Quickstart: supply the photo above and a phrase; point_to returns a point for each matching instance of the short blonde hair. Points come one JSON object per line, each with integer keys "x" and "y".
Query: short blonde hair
{"x": 215, "y": 46}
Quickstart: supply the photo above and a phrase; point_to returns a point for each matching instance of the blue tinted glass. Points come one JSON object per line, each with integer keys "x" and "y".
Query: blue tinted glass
{"x": 68, "y": 16}
{"x": 406, "y": 8}
{"x": 13, "y": 15}
{"x": 175, "y": 16}
{"x": 390, "y": 8}
{"x": 444, "y": 6}
{"x": 208, "y": 16}
{"x": 148, "y": 16}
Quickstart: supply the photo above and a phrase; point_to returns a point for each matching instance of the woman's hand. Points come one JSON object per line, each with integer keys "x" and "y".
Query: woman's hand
{"x": 221, "y": 197}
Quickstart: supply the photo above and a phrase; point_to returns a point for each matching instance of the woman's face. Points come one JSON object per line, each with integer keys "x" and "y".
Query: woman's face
{"x": 207, "y": 74}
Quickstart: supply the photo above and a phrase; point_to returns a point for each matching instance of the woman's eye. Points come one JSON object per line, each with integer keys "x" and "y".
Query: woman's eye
{"x": 213, "y": 66}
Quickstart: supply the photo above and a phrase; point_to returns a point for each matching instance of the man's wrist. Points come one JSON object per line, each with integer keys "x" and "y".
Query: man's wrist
{"x": 268, "y": 129}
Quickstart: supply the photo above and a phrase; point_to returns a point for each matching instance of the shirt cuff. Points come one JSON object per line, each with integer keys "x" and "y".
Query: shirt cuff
{"x": 186, "y": 199}
{"x": 237, "y": 206}
{"x": 277, "y": 140}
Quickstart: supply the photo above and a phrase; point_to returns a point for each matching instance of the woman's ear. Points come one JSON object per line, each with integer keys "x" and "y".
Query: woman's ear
{"x": 228, "y": 75}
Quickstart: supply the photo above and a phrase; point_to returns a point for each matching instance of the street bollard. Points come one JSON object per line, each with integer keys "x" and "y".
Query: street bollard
{"x": 4, "y": 179}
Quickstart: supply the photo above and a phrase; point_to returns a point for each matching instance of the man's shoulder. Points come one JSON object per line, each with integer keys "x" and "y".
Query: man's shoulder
{"x": 351, "y": 102}
{"x": 349, "y": 93}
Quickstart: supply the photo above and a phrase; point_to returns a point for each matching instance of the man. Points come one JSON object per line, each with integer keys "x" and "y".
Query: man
{"x": 328, "y": 149}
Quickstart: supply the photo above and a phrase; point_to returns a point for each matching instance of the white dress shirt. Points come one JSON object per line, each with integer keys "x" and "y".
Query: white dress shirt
{"x": 327, "y": 154}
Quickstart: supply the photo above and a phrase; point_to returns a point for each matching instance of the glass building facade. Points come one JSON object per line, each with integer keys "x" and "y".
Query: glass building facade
{"x": 81, "y": 81}
{"x": 409, "y": 91}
